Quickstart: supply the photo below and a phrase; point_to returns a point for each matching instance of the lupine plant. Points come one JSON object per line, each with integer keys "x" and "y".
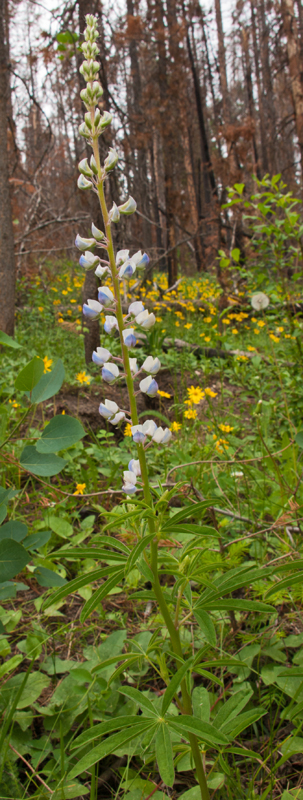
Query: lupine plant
{"x": 181, "y": 714}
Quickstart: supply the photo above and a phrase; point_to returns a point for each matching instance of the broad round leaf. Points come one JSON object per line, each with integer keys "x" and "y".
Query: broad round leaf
{"x": 13, "y": 530}
{"x": 30, "y": 375}
{"x": 46, "y": 577}
{"x": 13, "y": 557}
{"x": 41, "y": 463}
{"x": 299, "y": 438}
{"x": 49, "y": 384}
{"x": 8, "y": 341}
{"x": 61, "y": 432}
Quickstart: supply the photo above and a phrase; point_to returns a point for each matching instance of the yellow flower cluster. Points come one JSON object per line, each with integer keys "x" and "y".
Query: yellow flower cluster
{"x": 82, "y": 377}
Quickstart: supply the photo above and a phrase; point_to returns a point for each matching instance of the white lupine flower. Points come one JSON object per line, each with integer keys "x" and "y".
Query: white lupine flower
{"x": 84, "y": 244}
{"x": 135, "y": 308}
{"x": 105, "y": 296}
{"x": 130, "y": 479}
{"x": 110, "y": 324}
{"x": 134, "y": 466}
{"x": 117, "y": 418}
{"x": 100, "y": 356}
{"x": 129, "y": 337}
{"x": 140, "y": 259}
{"x": 97, "y": 234}
{"x": 129, "y": 207}
{"x": 92, "y": 309}
{"x": 138, "y": 434}
{"x": 101, "y": 271}
{"x": 121, "y": 257}
{"x": 114, "y": 214}
{"x": 162, "y": 436}
{"x": 145, "y": 319}
{"x": 108, "y": 409}
{"x": 88, "y": 260}
{"x": 110, "y": 372}
{"x": 149, "y": 427}
{"x": 127, "y": 270}
{"x": 133, "y": 365}
{"x": 151, "y": 365}
{"x": 149, "y": 386}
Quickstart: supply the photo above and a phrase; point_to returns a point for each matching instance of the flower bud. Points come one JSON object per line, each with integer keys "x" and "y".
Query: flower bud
{"x": 140, "y": 259}
{"x": 89, "y": 260}
{"x": 118, "y": 417}
{"x": 105, "y": 119}
{"x": 98, "y": 235}
{"x": 111, "y": 160}
{"x": 133, "y": 365}
{"x": 114, "y": 214}
{"x": 105, "y": 296}
{"x": 100, "y": 356}
{"x": 129, "y": 207}
{"x": 110, "y": 372}
{"x": 129, "y": 485}
{"x": 127, "y": 269}
{"x": 88, "y": 120}
{"x": 149, "y": 386}
{"x": 101, "y": 271}
{"x": 162, "y": 435}
{"x": 92, "y": 309}
{"x": 84, "y": 131}
{"x": 84, "y": 168}
{"x": 83, "y": 183}
{"x": 151, "y": 365}
{"x": 145, "y": 319}
{"x": 136, "y": 308}
{"x": 110, "y": 324}
{"x": 122, "y": 255}
{"x": 129, "y": 337}
{"x": 134, "y": 466}
{"x": 108, "y": 409}
{"x": 84, "y": 244}
{"x": 93, "y": 165}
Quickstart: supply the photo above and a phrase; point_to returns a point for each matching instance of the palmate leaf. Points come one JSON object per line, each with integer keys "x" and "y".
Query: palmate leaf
{"x": 285, "y": 584}
{"x": 136, "y": 552}
{"x": 98, "y": 595}
{"x": 77, "y": 583}
{"x": 234, "y": 727}
{"x": 236, "y": 605}
{"x": 87, "y": 552}
{"x": 200, "y": 530}
{"x": 164, "y": 755}
{"x": 138, "y": 697}
{"x": 110, "y": 745}
{"x": 185, "y": 513}
{"x": 207, "y": 626}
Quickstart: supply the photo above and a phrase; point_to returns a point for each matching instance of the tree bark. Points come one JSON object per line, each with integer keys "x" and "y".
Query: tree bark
{"x": 295, "y": 67}
{"x": 259, "y": 89}
{"x": 7, "y": 256}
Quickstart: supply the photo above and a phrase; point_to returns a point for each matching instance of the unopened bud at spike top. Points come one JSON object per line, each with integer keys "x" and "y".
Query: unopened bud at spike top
{"x": 129, "y": 207}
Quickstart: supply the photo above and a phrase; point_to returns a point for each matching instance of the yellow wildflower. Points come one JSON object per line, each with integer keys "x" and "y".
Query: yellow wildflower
{"x": 128, "y": 429}
{"x": 249, "y": 347}
{"x": 175, "y": 426}
{"x": 41, "y": 308}
{"x": 163, "y": 394}
{"x": 261, "y": 323}
{"x": 225, "y": 428}
{"x": 273, "y": 337}
{"x": 64, "y": 291}
{"x": 47, "y": 362}
{"x": 235, "y": 330}
{"x": 190, "y": 413}
{"x": 80, "y": 488}
{"x": 195, "y": 395}
{"x": 207, "y": 319}
{"x": 256, "y": 330}
{"x": 188, "y": 325}
{"x": 280, "y": 329}
{"x": 210, "y": 393}
{"x": 82, "y": 377}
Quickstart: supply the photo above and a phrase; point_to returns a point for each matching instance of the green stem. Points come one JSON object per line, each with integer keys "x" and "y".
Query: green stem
{"x": 173, "y": 632}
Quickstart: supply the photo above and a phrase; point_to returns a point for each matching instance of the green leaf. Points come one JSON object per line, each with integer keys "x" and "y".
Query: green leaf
{"x": 37, "y": 540}
{"x": 164, "y": 755}
{"x": 13, "y": 530}
{"x": 60, "y": 526}
{"x": 112, "y": 743}
{"x": 88, "y": 552}
{"x": 40, "y": 463}
{"x": 138, "y": 697}
{"x": 69, "y": 790}
{"x": 49, "y": 384}
{"x": 232, "y": 708}
{"x": 299, "y": 438}
{"x": 30, "y": 375}
{"x": 236, "y": 605}
{"x": 31, "y": 691}
{"x": 13, "y": 557}
{"x": 174, "y": 685}
{"x": 98, "y": 595}
{"x": 61, "y": 432}
{"x": 207, "y": 626}
{"x": 67, "y": 37}
{"x": 137, "y": 550}
{"x": 8, "y": 341}
{"x": 109, "y": 725}
{"x": 46, "y": 577}
{"x": 9, "y": 665}
{"x": 197, "y": 530}
{"x": 77, "y": 583}
{"x": 204, "y": 730}
{"x": 285, "y": 584}
{"x": 188, "y": 512}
